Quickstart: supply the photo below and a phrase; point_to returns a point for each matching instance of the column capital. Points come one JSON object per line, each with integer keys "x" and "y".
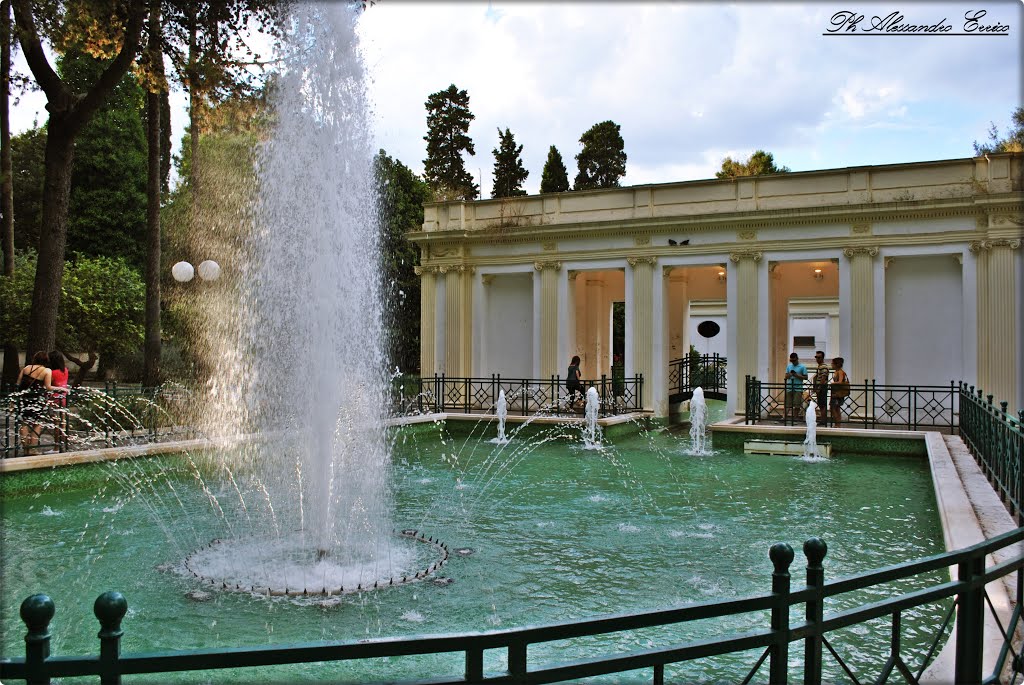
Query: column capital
{"x": 979, "y": 245}
{"x": 869, "y": 250}
{"x": 420, "y": 270}
{"x": 541, "y": 265}
{"x": 755, "y": 255}
{"x": 486, "y": 279}
{"x": 633, "y": 261}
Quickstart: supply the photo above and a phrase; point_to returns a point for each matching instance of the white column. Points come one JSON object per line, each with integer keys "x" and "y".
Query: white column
{"x": 861, "y": 324}
{"x": 428, "y": 319}
{"x": 643, "y": 330}
{"x": 745, "y": 310}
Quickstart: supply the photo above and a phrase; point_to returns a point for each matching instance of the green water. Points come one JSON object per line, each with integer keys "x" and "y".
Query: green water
{"x": 557, "y": 533}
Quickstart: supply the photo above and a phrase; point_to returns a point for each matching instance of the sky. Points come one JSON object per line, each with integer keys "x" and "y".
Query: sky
{"x": 688, "y": 82}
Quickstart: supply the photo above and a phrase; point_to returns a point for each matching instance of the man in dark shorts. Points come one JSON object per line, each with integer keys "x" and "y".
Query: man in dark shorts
{"x": 821, "y": 385}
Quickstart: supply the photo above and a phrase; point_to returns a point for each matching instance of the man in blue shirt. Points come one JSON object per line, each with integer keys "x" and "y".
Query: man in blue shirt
{"x": 796, "y": 374}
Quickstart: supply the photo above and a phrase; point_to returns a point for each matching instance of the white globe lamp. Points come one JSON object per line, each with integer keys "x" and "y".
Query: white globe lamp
{"x": 182, "y": 272}
{"x": 209, "y": 270}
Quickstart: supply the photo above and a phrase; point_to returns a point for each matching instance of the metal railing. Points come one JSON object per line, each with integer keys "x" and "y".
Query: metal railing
{"x": 996, "y": 439}
{"x": 90, "y": 417}
{"x": 869, "y": 405}
{"x": 687, "y": 373}
{"x": 525, "y": 396}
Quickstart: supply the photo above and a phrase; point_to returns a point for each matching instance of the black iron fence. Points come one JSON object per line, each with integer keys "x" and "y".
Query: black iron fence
{"x": 868, "y": 405}
{"x": 90, "y": 417}
{"x": 996, "y": 439}
{"x": 707, "y": 371}
{"x": 525, "y": 396}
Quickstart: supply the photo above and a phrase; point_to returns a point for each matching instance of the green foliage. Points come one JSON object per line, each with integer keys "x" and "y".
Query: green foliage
{"x": 509, "y": 172}
{"x": 107, "y": 214}
{"x": 101, "y": 306}
{"x": 602, "y": 161}
{"x": 402, "y": 195}
{"x": 28, "y": 168}
{"x": 1013, "y": 142}
{"x": 554, "y": 178}
{"x": 16, "y": 299}
{"x": 758, "y": 164}
{"x": 448, "y": 119}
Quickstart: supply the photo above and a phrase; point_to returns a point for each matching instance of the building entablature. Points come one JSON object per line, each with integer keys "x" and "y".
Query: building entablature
{"x": 693, "y": 216}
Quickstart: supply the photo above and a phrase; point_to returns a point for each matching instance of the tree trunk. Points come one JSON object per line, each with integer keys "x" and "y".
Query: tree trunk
{"x": 10, "y": 369}
{"x": 42, "y": 326}
{"x": 151, "y": 348}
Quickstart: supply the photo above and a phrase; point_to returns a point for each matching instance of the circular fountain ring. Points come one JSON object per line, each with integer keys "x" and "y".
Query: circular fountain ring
{"x": 270, "y": 590}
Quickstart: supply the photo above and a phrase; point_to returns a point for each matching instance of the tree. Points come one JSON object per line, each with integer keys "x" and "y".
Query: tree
{"x": 1013, "y": 142}
{"x": 154, "y": 125}
{"x": 402, "y": 195}
{"x": 602, "y": 161}
{"x": 10, "y": 367}
{"x": 509, "y": 172}
{"x": 758, "y": 164}
{"x": 113, "y": 30}
{"x": 554, "y": 178}
{"x": 15, "y": 299}
{"x": 107, "y": 207}
{"x": 448, "y": 119}
{"x": 101, "y": 309}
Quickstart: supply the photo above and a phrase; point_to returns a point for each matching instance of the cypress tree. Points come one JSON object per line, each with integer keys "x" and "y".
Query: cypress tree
{"x": 509, "y": 172}
{"x": 602, "y": 161}
{"x": 448, "y": 119}
{"x": 554, "y": 178}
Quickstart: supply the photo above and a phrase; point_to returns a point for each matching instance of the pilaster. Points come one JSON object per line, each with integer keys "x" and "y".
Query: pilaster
{"x": 458, "y": 320}
{"x": 861, "y": 362}
{"x": 428, "y": 318}
{"x": 998, "y": 304}
{"x": 745, "y": 331}
{"x": 549, "y": 362}
{"x": 643, "y": 331}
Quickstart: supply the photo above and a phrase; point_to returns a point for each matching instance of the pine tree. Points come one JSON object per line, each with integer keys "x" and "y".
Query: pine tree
{"x": 602, "y": 161}
{"x": 554, "y": 178}
{"x": 444, "y": 170}
{"x": 509, "y": 172}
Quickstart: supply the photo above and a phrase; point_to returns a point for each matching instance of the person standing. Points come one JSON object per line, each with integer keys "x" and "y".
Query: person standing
{"x": 840, "y": 390}
{"x": 572, "y": 381}
{"x": 796, "y": 374}
{"x": 59, "y": 400}
{"x": 34, "y": 382}
{"x": 821, "y": 385}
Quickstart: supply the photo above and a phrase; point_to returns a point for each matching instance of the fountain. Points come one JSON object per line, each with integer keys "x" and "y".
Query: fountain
{"x": 591, "y": 431}
{"x": 315, "y": 509}
{"x": 698, "y": 424}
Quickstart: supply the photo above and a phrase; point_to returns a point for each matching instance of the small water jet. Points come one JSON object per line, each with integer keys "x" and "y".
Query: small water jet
{"x": 591, "y": 431}
{"x": 811, "y": 438}
{"x": 698, "y": 424}
{"x": 501, "y": 411}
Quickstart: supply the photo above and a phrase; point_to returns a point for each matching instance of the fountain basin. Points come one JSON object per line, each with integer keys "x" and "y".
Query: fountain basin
{"x": 784, "y": 448}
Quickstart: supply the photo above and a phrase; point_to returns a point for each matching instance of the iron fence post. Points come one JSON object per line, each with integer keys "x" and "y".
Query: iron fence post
{"x": 110, "y": 608}
{"x": 746, "y": 399}
{"x": 474, "y": 665}
{"x": 639, "y": 392}
{"x": 781, "y": 555}
{"x": 970, "y": 620}
{"x": 814, "y": 550}
{"x": 525, "y": 395}
{"x": 36, "y": 612}
{"x": 466, "y": 385}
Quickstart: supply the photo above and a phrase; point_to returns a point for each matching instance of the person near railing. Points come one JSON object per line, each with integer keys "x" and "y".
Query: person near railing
{"x": 58, "y": 400}
{"x": 572, "y": 381}
{"x": 35, "y": 381}
{"x": 840, "y": 390}
{"x": 821, "y": 385}
{"x": 796, "y": 374}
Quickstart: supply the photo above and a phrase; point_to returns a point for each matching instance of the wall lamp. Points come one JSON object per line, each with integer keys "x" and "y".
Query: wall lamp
{"x": 721, "y": 275}
{"x": 818, "y": 275}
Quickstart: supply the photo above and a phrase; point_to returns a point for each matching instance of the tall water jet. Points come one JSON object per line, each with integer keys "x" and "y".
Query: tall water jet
{"x": 501, "y": 411}
{"x": 698, "y": 423}
{"x": 313, "y": 369}
{"x": 591, "y": 431}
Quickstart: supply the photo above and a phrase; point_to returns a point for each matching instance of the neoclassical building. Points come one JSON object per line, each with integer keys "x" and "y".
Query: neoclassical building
{"x": 914, "y": 273}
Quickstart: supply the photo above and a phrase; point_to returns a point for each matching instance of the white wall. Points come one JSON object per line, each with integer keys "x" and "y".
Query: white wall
{"x": 508, "y": 332}
{"x": 924, "y": 312}
{"x": 703, "y": 310}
